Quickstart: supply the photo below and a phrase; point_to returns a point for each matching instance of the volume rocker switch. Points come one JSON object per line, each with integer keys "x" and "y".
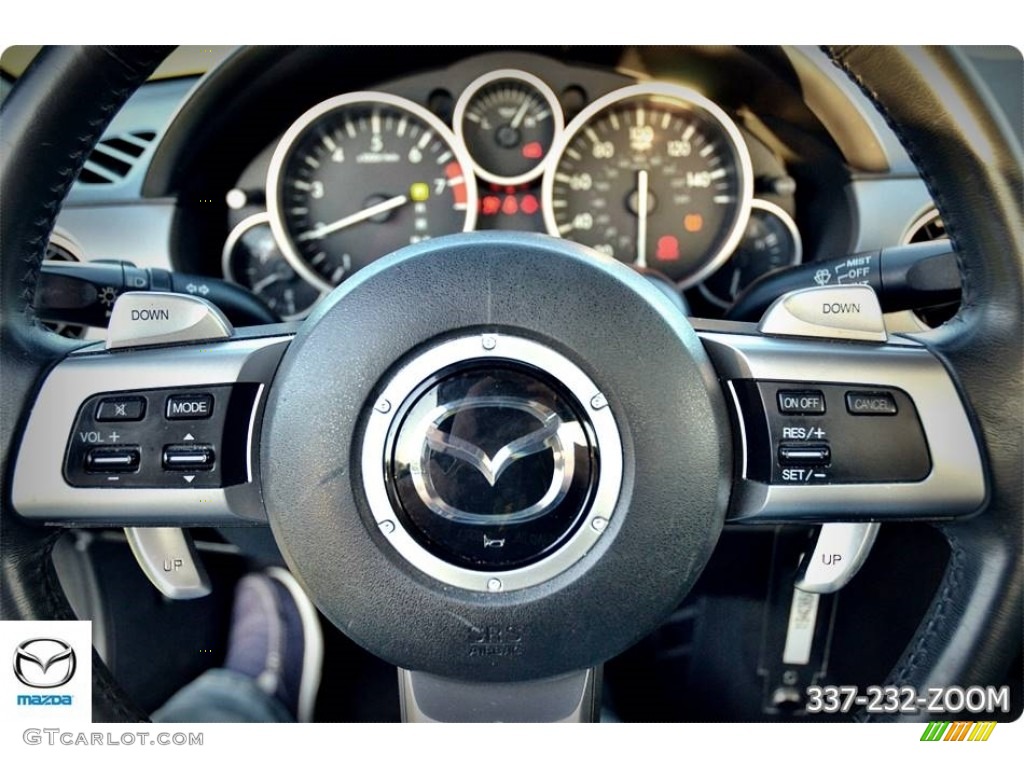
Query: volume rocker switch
{"x": 124, "y": 458}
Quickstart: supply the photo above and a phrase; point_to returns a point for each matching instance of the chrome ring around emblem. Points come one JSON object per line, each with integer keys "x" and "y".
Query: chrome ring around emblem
{"x": 549, "y": 434}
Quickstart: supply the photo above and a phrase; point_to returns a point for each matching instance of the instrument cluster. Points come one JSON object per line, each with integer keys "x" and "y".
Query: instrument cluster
{"x": 651, "y": 173}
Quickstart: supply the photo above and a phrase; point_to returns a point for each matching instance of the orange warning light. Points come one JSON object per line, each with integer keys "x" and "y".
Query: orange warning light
{"x": 693, "y": 222}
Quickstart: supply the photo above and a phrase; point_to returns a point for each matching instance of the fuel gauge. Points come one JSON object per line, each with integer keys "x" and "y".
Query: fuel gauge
{"x": 508, "y": 119}
{"x": 771, "y": 241}
{"x": 252, "y": 259}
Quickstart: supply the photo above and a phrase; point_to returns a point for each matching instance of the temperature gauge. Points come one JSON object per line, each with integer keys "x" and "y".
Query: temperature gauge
{"x": 252, "y": 260}
{"x": 771, "y": 241}
{"x": 508, "y": 120}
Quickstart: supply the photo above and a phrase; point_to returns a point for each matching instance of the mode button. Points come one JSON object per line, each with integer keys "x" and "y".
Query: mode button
{"x": 197, "y": 406}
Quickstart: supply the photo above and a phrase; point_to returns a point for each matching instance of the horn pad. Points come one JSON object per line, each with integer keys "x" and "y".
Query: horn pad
{"x": 496, "y": 457}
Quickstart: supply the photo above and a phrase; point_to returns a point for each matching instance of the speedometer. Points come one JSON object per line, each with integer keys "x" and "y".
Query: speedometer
{"x": 361, "y": 175}
{"x": 655, "y": 175}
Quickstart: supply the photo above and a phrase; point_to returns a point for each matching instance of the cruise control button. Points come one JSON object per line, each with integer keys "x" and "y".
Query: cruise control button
{"x": 802, "y": 402}
{"x": 871, "y": 404}
{"x": 124, "y": 458}
{"x": 121, "y": 409}
{"x": 188, "y": 457}
{"x": 804, "y": 455}
{"x": 198, "y": 406}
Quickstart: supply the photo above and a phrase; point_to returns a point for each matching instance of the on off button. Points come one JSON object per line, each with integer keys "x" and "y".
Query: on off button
{"x": 804, "y": 401}
{"x": 189, "y": 406}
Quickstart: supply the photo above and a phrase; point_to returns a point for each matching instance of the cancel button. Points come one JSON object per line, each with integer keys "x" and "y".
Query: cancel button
{"x": 871, "y": 403}
{"x": 197, "y": 406}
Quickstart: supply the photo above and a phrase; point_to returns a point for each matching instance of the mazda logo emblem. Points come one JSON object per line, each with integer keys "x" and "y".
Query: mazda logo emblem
{"x": 437, "y": 431}
{"x": 44, "y": 663}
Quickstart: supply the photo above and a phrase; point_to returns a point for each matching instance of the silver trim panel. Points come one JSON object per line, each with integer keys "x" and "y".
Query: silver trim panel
{"x": 39, "y": 490}
{"x": 956, "y": 485}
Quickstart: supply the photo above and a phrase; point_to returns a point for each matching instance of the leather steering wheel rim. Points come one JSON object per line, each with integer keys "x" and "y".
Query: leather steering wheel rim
{"x": 971, "y": 631}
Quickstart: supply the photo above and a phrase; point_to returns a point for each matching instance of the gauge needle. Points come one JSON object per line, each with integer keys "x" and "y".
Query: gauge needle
{"x": 641, "y": 222}
{"x": 734, "y": 286}
{"x": 520, "y": 114}
{"x": 355, "y": 218}
{"x": 266, "y": 282}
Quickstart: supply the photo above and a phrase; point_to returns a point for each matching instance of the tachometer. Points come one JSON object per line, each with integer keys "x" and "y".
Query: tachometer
{"x": 655, "y": 175}
{"x": 361, "y": 175}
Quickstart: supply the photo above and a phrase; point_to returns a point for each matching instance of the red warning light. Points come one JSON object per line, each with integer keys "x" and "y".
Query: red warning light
{"x": 509, "y": 206}
{"x": 529, "y": 205}
{"x": 693, "y": 222}
{"x": 533, "y": 150}
{"x": 668, "y": 249}
{"x": 490, "y": 205}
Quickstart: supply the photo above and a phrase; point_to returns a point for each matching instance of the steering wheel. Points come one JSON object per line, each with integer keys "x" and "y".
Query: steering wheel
{"x": 499, "y": 460}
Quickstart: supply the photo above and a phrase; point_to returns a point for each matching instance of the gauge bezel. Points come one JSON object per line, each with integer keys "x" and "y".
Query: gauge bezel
{"x": 691, "y": 98}
{"x": 297, "y": 130}
{"x": 229, "y": 245}
{"x": 470, "y": 92}
{"x": 798, "y": 247}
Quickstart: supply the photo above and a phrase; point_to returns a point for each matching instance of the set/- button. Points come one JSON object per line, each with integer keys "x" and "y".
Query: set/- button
{"x": 193, "y": 406}
{"x": 121, "y": 409}
{"x": 803, "y": 401}
{"x": 124, "y": 458}
{"x": 804, "y": 455}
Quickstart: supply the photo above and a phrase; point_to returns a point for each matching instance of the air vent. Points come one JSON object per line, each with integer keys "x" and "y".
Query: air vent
{"x": 114, "y": 156}
{"x": 927, "y": 228}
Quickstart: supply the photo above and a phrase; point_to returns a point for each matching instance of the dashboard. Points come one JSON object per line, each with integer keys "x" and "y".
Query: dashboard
{"x": 288, "y": 170}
